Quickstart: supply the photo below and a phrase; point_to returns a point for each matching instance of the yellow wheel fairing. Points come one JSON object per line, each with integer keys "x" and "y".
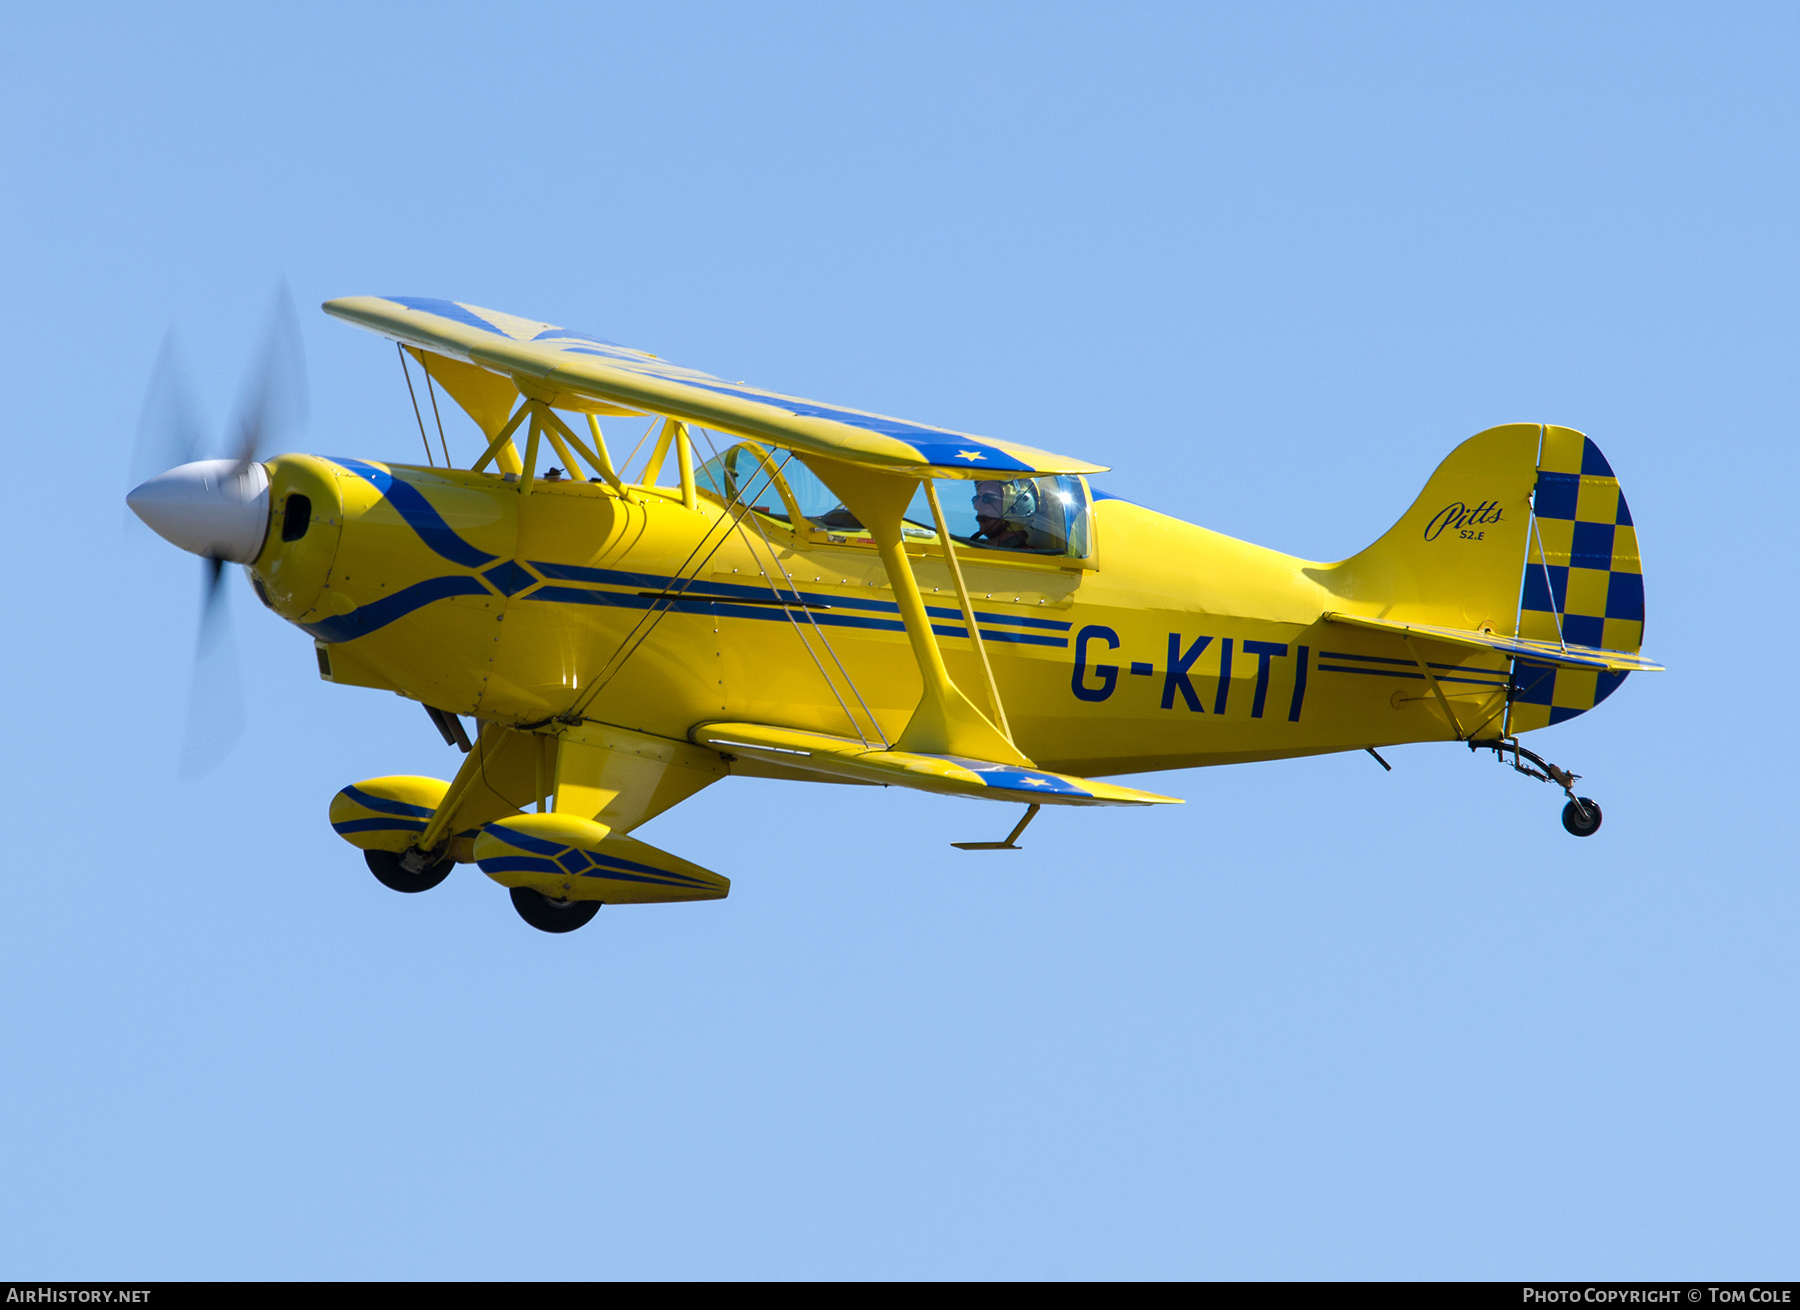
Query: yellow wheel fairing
{"x": 573, "y": 859}
{"x": 386, "y": 814}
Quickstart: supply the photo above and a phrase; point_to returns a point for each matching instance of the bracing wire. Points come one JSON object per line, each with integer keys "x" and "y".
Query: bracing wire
{"x": 625, "y": 465}
{"x": 401, "y": 351}
{"x": 431, "y": 391}
{"x": 794, "y": 591}
{"x": 621, "y": 655}
{"x": 849, "y": 681}
{"x": 645, "y": 627}
{"x": 813, "y": 619}
{"x": 1549, "y": 582}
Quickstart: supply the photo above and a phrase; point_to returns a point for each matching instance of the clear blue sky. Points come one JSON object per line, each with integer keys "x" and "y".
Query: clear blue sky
{"x": 1271, "y": 262}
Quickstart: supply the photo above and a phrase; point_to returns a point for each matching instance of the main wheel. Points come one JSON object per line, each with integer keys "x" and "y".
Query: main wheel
{"x": 547, "y": 915}
{"x": 386, "y": 867}
{"x": 1582, "y": 825}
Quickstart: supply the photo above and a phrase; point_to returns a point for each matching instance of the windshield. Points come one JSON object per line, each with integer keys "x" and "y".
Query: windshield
{"x": 1045, "y": 516}
{"x": 1038, "y": 516}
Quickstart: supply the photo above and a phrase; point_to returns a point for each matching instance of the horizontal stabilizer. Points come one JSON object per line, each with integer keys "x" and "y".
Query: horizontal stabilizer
{"x": 1541, "y": 652}
{"x": 848, "y": 760}
{"x": 573, "y": 370}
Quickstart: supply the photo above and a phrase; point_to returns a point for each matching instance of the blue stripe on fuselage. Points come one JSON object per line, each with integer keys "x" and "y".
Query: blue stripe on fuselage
{"x": 743, "y": 591}
{"x": 378, "y": 614}
{"x": 410, "y": 503}
{"x": 695, "y": 596}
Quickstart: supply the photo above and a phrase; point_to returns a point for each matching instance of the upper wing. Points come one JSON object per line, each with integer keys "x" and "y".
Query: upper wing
{"x": 1543, "y": 652}
{"x": 549, "y": 362}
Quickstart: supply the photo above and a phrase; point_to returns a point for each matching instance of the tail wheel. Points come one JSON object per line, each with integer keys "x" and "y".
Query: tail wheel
{"x": 390, "y": 870}
{"x": 1580, "y": 823}
{"x": 547, "y": 915}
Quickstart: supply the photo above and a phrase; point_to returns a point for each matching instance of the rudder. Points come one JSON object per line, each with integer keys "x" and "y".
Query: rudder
{"x": 1584, "y": 582}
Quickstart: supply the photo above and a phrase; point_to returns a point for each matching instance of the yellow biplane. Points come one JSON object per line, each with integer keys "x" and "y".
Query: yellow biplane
{"x": 788, "y": 589}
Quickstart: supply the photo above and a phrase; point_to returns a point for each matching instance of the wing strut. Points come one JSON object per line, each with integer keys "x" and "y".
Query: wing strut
{"x": 673, "y": 430}
{"x": 738, "y": 512}
{"x": 968, "y": 609}
{"x": 547, "y": 422}
{"x": 501, "y": 445}
{"x": 945, "y": 722}
{"x": 1432, "y": 682}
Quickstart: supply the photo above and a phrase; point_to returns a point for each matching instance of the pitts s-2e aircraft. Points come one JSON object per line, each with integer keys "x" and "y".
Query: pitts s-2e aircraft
{"x": 827, "y": 595}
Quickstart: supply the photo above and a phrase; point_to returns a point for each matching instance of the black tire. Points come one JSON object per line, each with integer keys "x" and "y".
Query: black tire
{"x": 385, "y": 865}
{"x": 1579, "y": 824}
{"x": 547, "y": 915}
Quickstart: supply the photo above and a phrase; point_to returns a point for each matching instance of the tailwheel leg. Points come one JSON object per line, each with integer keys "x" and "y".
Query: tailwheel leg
{"x": 411, "y": 871}
{"x": 1581, "y": 816}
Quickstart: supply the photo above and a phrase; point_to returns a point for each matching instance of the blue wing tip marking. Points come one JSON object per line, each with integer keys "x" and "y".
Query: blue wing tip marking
{"x": 1005, "y": 777}
{"x": 461, "y": 313}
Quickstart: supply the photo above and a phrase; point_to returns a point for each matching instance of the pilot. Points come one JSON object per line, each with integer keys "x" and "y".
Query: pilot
{"x": 1004, "y": 512}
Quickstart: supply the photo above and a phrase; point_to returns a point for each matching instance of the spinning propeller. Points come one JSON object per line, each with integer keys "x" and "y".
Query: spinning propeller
{"x": 216, "y": 508}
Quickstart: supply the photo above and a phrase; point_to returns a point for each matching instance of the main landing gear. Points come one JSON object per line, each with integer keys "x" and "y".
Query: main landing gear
{"x": 547, "y": 915}
{"x": 1581, "y": 816}
{"x": 412, "y": 871}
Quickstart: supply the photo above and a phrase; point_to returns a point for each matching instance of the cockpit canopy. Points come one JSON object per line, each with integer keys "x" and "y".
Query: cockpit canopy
{"x": 1036, "y": 516}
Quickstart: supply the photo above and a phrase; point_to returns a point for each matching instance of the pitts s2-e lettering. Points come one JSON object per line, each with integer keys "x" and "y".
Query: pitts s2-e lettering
{"x": 795, "y": 590}
{"x": 1462, "y": 520}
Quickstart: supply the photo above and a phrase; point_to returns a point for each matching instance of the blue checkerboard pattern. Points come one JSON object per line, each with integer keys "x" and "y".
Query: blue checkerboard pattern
{"x": 1583, "y": 582}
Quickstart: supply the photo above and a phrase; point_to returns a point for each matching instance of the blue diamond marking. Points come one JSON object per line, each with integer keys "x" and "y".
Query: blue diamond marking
{"x": 509, "y": 577}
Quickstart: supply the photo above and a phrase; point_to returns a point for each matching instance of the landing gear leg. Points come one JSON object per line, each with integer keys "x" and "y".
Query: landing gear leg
{"x": 1581, "y": 816}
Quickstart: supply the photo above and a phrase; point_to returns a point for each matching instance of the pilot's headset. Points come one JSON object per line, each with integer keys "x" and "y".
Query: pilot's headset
{"x": 1018, "y": 499}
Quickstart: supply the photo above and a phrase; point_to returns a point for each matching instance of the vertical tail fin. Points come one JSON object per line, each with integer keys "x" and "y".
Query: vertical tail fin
{"x": 1453, "y": 559}
{"x": 1519, "y": 498}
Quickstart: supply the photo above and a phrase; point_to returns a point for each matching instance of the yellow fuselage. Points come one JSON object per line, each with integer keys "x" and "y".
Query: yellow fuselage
{"x": 1169, "y": 646}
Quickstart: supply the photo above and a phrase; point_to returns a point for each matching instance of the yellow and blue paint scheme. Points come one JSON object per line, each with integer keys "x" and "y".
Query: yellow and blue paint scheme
{"x": 624, "y": 645}
{"x": 566, "y": 857}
